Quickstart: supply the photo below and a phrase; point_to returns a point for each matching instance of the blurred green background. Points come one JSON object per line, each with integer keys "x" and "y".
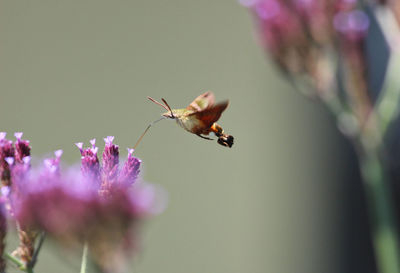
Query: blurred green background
{"x": 74, "y": 70}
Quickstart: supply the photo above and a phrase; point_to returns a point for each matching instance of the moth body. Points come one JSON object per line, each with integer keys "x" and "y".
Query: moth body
{"x": 200, "y": 117}
{"x": 186, "y": 120}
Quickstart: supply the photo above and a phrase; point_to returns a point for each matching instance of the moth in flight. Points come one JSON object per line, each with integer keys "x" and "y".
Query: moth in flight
{"x": 199, "y": 117}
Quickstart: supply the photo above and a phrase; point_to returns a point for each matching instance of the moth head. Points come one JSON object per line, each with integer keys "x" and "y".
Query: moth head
{"x": 170, "y": 113}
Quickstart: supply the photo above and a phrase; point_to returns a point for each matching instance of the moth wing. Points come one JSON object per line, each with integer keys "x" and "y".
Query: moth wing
{"x": 211, "y": 114}
{"x": 202, "y": 102}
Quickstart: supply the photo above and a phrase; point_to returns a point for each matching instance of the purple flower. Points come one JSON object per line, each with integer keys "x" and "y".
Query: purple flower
{"x": 351, "y": 25}
{"x": 6, "y": 155}
{"x": 69, "y": 204}
{"x": 19, "y": 170}
{"x": 344, "y": 5}
{"x": 90, "y": 164}
{"x": 130, "y": 171}
{"x": 148, "y": 199}
{"x": 52, "y": 165}
{"x": 108, "y": 174}
{"x": 27, "y": 236}
{"x": 69, "y": 208}
{"x": 110, "y": 162}
{"x": 97, "y": 203}
{"x": 21, "y": 163}
{"x": 22, "y": 148}
{"x": 293, "y": 27}
{"x": 301, "y": 35}
{"x": 278, "y": 26}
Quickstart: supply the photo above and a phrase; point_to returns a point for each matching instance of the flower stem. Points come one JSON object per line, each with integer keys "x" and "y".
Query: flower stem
{"x": 84, "y": 258}
{"x": 29, "y": 269}
{"x": 14, "y": 260}
{"x": 380, "y": 203}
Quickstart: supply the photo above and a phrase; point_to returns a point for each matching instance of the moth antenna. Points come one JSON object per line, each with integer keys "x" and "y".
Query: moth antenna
{"x": 159, "y": 103}
{"x": 145, "y": 131}
{"x": 166, "y": 103}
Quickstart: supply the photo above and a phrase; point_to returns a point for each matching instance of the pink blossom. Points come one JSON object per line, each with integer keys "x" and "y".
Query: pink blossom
{"x": 110, "y": 162}
{"x": 6, "y": 154}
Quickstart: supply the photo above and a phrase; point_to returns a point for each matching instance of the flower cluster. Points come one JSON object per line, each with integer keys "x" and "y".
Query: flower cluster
{"x": 306, "y": 38}
{"x": 10, "y": 153}
{"x": 100, "y": 203}
{"x": 108, "y": 175}
{"x": 14, "y": 166}
{"x": 294, "y": 30}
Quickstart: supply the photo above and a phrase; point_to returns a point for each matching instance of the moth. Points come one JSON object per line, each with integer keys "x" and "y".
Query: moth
{"x": 199, "y": 117}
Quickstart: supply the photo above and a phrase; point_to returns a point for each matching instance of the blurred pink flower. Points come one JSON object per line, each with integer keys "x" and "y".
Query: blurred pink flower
{"x": 101, "y": 205}
{"x": 22, "y": 148}
{"x": 6, "y": 154}
{"x": 351, "y": 25}
{"x": 90, "y": 164}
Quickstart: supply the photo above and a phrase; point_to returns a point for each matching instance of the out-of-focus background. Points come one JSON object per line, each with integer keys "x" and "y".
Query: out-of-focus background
{"x": 285, "y": 198}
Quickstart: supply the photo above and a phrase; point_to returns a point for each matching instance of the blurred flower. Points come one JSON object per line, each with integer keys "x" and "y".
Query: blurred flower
{"x": 22, "y": 148}
{"x": 14, "y": 166}
{"x": 352, "y": 28}
{"x": 352, "y": 25}
{"x": 292, "y": 30}
{"x": 6, "y": 152}
{"x": 108, "y": 174}
{"x": 90, "y": 164}
{"x": 279, "y": 31}
{"x": 130, "y": 171}
{"x": 97, "y": 204}
{"x": 110, "y": 164}
{"x": 306, "y": 38}
{"x": 52, "y": 166}
{"x": 19, "y": 170}
{"x": 295, "y": 31}
{"x": 19, "y": 174}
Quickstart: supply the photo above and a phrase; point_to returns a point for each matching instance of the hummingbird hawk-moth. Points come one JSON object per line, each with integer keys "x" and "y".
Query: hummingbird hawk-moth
{"x": 200, "y": 117}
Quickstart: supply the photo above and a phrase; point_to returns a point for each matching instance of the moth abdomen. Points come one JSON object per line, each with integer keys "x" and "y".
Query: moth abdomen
{"x": 226, "y": 140}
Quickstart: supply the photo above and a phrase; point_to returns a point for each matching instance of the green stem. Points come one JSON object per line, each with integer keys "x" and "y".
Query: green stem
{"x": 387, "y": 105}
{"x": 29, "y": 269}
{"x": 380, "y": 204}
{"x": 14, "y": 260}
{"x": 84, "y": 258}
{"x": 18, "y": 263}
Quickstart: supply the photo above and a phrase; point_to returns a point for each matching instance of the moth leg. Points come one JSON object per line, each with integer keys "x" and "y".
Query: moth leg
{"x": 204, "y": 137}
